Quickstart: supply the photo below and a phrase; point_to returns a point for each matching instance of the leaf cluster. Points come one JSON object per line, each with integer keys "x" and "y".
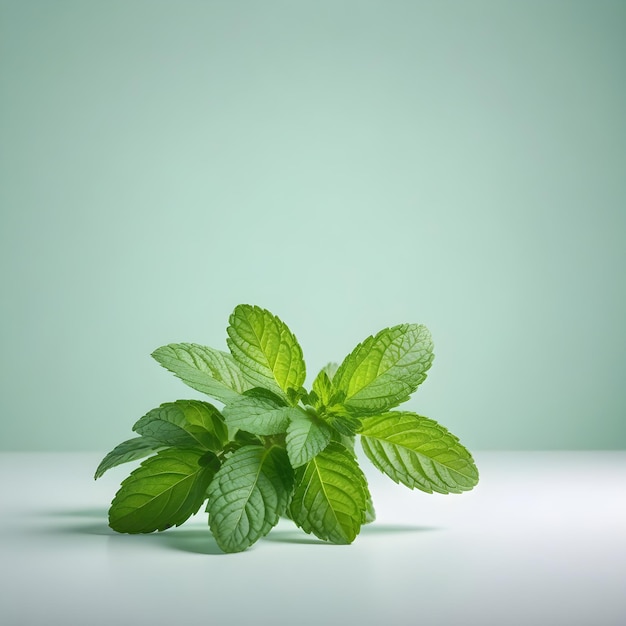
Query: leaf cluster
{"x": 277, "y": 449}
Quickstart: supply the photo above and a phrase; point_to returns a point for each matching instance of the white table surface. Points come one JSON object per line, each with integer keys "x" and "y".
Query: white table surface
{"x": 541, "y": 540}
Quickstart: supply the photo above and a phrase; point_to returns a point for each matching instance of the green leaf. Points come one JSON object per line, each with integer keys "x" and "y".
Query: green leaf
{"x": 385, "y": 369}
{"x": 164, "y": 491}
{"x": 342, "y": 421}
{"x": 266, "y": 350}
{"x": 185, "y": 424}
{"x": 370, "y": 511}
{"x": 242, "y": 438}
{"x": 347, "y": 441}
{"x": 129, "y": 450}
{"x": 331, "y": 497}
{"x": 311, "y": 399}
{"x": 295, "y": 395}
{"x": 323, "y": 392}
{"x": 306, "y": 437}
{"x": 417, "y": 452}
{"x": 248, "y": 495}
{"x": 204, "y": 369}
{"x": 330, "y": 369}
{"x": 260, "y": 415}
{"x": 323, "y": 388}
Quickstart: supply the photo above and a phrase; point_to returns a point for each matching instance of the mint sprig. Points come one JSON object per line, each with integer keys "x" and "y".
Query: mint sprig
{"x": 276, "y": 449}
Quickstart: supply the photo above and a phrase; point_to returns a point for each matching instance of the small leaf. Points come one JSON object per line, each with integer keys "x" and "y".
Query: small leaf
{"x": 417, "y": 452}
{"x": 311, "y": 399}
{"x": 386, "y": 369}
{"x": 260, "y": 415}
{"x": 323, "y": 388}
{"x": 185, "y": 424}
{"x": 266, "y": 350}
{"x": 204, "y": 369}
{"x": 129, "y": 450}
{"x": 164, "y": 491}
{"x": 248, "y": 495}
{"x": 306, "y": 437}
{"x": 331, "y": 370}
{"x": 295, "y": 395}
{"x": 330, "y": 498}
{"x": 342, "y": 421}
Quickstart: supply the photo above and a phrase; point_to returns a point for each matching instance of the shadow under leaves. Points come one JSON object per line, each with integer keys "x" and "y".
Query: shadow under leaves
{"x": 390, "y": 529}
{"x": 293, "y": 536}
{"x": 197, "y": 541}
{"x": 93, "y": 512}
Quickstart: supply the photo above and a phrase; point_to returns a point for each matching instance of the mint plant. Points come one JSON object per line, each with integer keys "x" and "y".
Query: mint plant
{"x": 276, "y": 449}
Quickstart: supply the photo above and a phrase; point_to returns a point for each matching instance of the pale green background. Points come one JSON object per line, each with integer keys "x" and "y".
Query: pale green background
{"x": 349, "y": 165}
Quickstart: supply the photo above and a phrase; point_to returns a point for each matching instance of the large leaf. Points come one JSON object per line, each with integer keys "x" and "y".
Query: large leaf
{"x": 385, "y": 369}
{"x": 129, "y": 450}
{"x": 260, "y": 414}
{"x": 417, "y": 452}
{"x": 248, "y": 495}
{"x": 306, "y": 437}
{"x": 331, "y": 497}
{"x": 164, "y": 491}
{"x": 185, "y": 424}
{"x": 266, "y": 350}
{"x": 204, "y": 369}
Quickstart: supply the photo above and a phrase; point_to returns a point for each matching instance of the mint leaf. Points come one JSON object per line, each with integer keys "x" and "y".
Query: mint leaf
{"x": 129, "y": 450}
{"x": 306, "y": 437}
{"x": 164, "y": 491}
{"x": 342, "y": 421}
{"x": 417, "y": 452}
{"x": 260, "y": 415}
{"x": 295, "y": 395}
{"x": 347, "y": 441}
{"x": 330, "y": 369}
{"x": 248, "y": 495}
{"x": 266, "y": 350}
{"x": 204, "y": 369}
{"x": 323, "y": 388}
{"x": 322, "y": 385}
{"x": 385, "y": 369}
{"x": 185, "y": 424}
{"x": 370, "y": 511}
{"x": 330, "y": 497}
